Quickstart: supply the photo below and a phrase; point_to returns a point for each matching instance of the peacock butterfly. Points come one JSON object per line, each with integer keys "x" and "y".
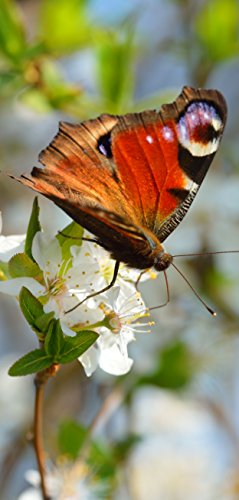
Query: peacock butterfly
{"x": 131, "y": 179}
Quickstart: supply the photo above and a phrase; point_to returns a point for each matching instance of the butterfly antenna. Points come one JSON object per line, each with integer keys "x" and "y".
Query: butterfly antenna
{"x": 167, "y": 296}
{"x": 205, "y": 253}
{"x": 116, "y": 269}
{"x": 211, "y": 311}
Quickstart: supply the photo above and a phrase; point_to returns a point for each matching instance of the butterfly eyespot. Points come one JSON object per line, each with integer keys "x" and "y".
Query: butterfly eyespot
{"x": 199, "y": 129}
{"x": 104, "y": 145}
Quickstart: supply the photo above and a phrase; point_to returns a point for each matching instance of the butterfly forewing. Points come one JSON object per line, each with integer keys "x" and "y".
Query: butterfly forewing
{"x": 130, "y": 179}
{"x": 163, "y": 157}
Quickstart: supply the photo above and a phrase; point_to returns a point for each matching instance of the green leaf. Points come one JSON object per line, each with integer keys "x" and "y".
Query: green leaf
{"x": 36, "y": 99}
{"x": 35, "y": 51}
{"x": 64, "y": 24}
{"x": 31, "y": 307}
{"x": 10, "y": 81}
{"x": 217, "y": 28}
{"x": 101, "y": 458}
{"x": 76, "y": 346}
{"x": 12, "y": 35}
{"x": 71, "y": 235}
{"x": 42, "y": 322}
{"x": 4, "y": 272}
{"x": 123, "y": 448}
{"x": 71, "y": 436}
{"x": 115, "y": 53}
{"x": 33, "y": 227}
{"x": 54, "y": 341}
{"x": 175, "y": 368}
{"x": 22, "y": 266}
{"x": 33, "y": 311}
{"x": 32, "y": 362}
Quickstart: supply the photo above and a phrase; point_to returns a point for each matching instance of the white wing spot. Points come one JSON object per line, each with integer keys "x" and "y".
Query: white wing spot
{"x": 149, "y": 139}
{"x": 168, "y": 134}
{"x": 216, "y": 123}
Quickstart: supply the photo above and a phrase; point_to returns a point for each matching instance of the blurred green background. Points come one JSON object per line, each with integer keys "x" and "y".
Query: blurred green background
{"x": 172, "y": 430}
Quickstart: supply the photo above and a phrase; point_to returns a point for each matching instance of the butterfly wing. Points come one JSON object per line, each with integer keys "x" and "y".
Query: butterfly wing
{"x": 162, "y": 157}
{"x": 83, "y": 181}
{"x": 122, "y": 176}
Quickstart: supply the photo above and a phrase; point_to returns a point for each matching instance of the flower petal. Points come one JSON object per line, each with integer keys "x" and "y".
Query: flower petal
{"x": 46, "y": 251}
{"x": 30, "y": 494}
{"x": 13, "y": 287}
{"x": 89, "y": 360}
{"x": 10, "y": 245}
{"x": 114, "y": 362}
{"x": 66, "y": 330}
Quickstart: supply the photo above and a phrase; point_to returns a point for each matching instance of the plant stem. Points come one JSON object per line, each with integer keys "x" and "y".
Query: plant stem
{"x": 109, "y": 405}
{"x": 40, "y": 380}
{"x": 38, "y": 445}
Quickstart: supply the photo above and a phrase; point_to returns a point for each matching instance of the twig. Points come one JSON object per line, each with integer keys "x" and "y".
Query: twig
{"x": 12, "y": 455}
{"x": 38, "y": 436}
{"x": 109, "y": 405}
{"x": 40, "y": 380}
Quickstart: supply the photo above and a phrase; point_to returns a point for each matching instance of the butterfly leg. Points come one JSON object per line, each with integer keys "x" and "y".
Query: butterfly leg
{"x": 139, "y": 278}
{"x": 94, "y": 240}
{"x": 115, "y": 274}
{"x": 167, "y": 294}
{"x": 167, "y": 288}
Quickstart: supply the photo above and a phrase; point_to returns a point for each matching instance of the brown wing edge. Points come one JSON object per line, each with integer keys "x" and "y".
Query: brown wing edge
{"x": 126, "y": 243}
{"x": 173, "y": 111}
{"x": 78, "y": 139}
{"x": 187, "y": 96}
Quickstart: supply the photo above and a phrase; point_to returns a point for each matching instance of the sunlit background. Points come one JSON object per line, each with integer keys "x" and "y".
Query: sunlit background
{"x": 171, "y": 429}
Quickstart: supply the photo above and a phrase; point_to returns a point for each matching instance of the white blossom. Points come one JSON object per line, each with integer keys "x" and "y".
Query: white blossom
{"x": 114, "y": 314}
{"x": 9, "y": 245}
{"x": 58, "y": 282}
{"x": 95, "y": 253}
{"x": 123, "y": 308}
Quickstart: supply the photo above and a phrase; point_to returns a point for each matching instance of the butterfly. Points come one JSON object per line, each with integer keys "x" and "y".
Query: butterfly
{"x": 131, "y": 179}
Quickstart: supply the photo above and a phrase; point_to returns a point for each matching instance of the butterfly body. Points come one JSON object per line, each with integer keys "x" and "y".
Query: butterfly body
{"x": 130, "y": 179}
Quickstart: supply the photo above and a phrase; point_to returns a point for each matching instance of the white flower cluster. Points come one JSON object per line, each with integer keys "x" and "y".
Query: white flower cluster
{"x": 64, "y": 483}
{"x": 115, "y": 315}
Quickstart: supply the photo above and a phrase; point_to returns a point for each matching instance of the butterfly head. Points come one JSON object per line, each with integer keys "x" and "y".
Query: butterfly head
{"x": 162, "y": 261}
